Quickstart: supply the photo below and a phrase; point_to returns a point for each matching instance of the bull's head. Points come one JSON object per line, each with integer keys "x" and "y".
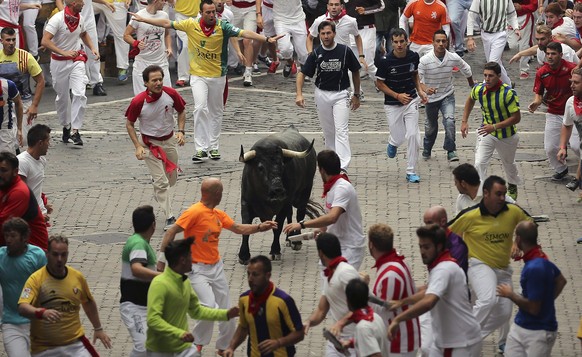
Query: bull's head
{"x": 246, "y": 156}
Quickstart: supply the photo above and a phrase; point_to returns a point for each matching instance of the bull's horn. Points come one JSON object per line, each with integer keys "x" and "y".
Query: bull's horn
{"x": 298, "y": 154}
{"x": 246, "y": 156}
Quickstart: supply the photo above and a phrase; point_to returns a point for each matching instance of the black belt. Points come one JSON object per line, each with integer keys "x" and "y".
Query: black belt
{"x": 371, "y": 26}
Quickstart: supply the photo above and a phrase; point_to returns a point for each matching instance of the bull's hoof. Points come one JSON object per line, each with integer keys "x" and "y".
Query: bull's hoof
{"x": 276, "y": 257}
{"x": 243, "y": 261}
{"x": 296, "y": 245}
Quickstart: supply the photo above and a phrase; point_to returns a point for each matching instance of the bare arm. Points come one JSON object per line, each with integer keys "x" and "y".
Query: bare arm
{"x": 19, "y": 111}
{"x": 240, "y": 335}
{"x": 139, "y": 271}
{"x": 309, "y": 43}
{"x": 47, "y": 42}
{"x": 246, "y": 229}
{"x": 421, "y": 307}
{"x": 168, "y": 238}
{"x": 360, "y": 48}
{"x": 469, "y": 104}
{"x": 318, "y": 315}
{"x": 87, "y": 41}
{"x": 565, "y": 134}
{"x": 320, "y": 222}
{"x": 529, "y": 306}
{"x": 33, "y": 109}
{"x": 90, "y": 308}
{"x": 168, "y": 41}
{"x": 127, "y": 35}
{"x": 60, "y": 4}
{"x": 140, "y": 152}
{"x": 165, "y": 23}
{"x": 299, "y": 100}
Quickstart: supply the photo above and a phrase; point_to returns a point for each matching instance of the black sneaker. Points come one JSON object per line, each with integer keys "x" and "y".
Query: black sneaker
{"x": 558, "y": 176}
{"x": 199, "y": 156}
{"x": 169, "y": 223}
{"x": 76, "y": 137}
{"x": 66, "y": 134}
{"x": 98, "y": 90}
{"x": 266, "y": 60}
{"x": 573, "y": 185}
{"x": 426, "y": 154}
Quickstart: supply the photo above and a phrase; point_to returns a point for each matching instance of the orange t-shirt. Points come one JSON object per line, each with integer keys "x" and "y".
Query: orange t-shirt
{"x": 427, "y": 19}
{"x": 204, "y": 225}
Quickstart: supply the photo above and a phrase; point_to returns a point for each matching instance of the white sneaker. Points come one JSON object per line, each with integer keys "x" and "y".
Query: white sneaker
{"x": 248, "y": 79}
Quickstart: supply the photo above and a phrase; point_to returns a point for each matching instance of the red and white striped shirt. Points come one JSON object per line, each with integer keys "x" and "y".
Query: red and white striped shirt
{"x": 394, "y": 282}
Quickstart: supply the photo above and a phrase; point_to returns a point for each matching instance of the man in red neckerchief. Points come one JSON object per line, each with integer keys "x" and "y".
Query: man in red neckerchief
{"x": 552, "y": 87}
{"x": 370, "y": 335}
{"x": 343, "y": 216}
{"x": 264, "y": 309}
{"x": 535, "y": 329}
{"x": 158, "y": 145}
{"x": 455, "y": 329}
{"x": 337, "y": 274}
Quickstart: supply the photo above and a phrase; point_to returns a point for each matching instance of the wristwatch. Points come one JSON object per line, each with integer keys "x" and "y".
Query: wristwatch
{"x": 357, "y": 95}
{"x": 302, "y": 224}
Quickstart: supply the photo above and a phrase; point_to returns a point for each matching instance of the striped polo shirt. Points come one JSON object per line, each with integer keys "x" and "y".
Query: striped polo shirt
{"x": 496, "y": 107}
{"x": 494, "y": 15}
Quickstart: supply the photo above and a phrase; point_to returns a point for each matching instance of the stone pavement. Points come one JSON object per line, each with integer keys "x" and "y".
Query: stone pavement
{"x": 94, "y": 189}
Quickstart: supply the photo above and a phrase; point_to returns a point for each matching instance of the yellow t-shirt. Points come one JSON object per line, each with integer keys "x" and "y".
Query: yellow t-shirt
{"x": 24, "y": 61}
{"x": 208, "y": 54}
{"x": 64, "y": 295}
{"x": 489, "y": 238}
{"x": 190, "y": 8}
{"x": 204, "y": 225}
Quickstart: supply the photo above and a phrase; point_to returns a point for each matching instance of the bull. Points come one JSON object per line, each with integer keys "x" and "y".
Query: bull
{"x": 278, "y": 175}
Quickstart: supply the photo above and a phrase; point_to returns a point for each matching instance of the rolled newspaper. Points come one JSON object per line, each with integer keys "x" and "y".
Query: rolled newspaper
{"x": 334, "y": 341}
{"x": 302, "y": 236}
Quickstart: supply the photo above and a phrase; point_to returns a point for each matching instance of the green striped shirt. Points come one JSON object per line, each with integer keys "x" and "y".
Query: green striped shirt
{"x": 497, "y": 106}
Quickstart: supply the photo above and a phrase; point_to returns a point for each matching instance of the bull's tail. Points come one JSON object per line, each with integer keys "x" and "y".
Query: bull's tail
{"x": 313, "y": 209}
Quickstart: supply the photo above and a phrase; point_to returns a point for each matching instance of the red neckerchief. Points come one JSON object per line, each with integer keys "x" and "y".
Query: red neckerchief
{"x": 219, "y": 14}
{"x": 71, "y": 20}
{"x": 362, "y": 314}
{"x": 578, "y": 106}
{"x": 445, "y": 256}
{"x": 255, "y": 302}
{"x": 159, "y": 153}
{"x": 207, "y": 30}
{"x": 329, "y": 184}
{"x": 328, "y": 272}
{"x": 152, "y": 97}
{"x": 533, "y": 253}
{"x": 494, "y": 88}
{"x": 391, "y": 256}
{"x": 338, "y": 17}
{"x": 558, "y": 23}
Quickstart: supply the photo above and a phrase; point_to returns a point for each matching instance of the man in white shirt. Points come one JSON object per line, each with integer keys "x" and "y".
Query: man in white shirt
{"x": 32, "y": 163}
{"x": 152, "y": 43}
{"x": 62, "y": 36}
{"x": 543, "y": 37}
{"x": 436, "y": 77}
{"x": 158, "y": 146}
{"x": 343, "y": 216}
{"x": 456, "y": 331}
{"x": 338, "y": 273}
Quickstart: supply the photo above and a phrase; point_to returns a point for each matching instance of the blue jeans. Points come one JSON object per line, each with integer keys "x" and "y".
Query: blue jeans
{"x": 447, "y": 108}
{"x": 458, "y": 12}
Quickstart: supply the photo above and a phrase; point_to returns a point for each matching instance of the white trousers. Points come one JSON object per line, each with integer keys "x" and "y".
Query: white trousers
{"x": 490, "y": 310}
{"x": 208, "y": 111}
{"x": 494, "y": 44}
{"x": 426, "y": 335}
{"x": 552, "y": 133}
{"x": 163, "y": 182}
{"x": 296, "y": 33}
{"x": 368, "y": 36}
{"x": 69, "y": 75}
{"x": 421, "y": 49}
{"x": 354, "y": 256}
{"x": 403, "y": 125}
{"x": 333, "y": 112}
{"x": 524, "y": 42}
{"x": 469, "y": 351}
{"x": 183, "y": 57}
{"x": 117, "y": 23}
{"x": 135, "y": 319}
{"x": 190, "y": 352}
{"x": 522, "y": 342}
{"x": 211, "y": 286}
{"x": 505, "y": 148}
{"x": 137, "y": 79}
{"x": 75, "y": 349}
{"x": 29, "y": 28}
{"x": 8, "y": 140}
{"x": 16, "y": 340}
{"x": 93, "y": 65}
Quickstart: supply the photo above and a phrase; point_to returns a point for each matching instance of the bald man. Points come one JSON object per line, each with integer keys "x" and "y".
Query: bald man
{"x": 204, "y": 222}
{"x": 455, "y": 244}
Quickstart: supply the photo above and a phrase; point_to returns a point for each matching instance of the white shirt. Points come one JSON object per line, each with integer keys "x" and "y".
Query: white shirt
{"x": 345, "y": 27}
{"x": 63, "y": 38}
{"x": 453, "y": 323}
{"x": 348, "y": 227}
{"x": 289, "y": 12}
{"x": 370, "y": 338}
{"x": 438, "y": 74}
{"x": 465, "y": 201}
{"x": 33, "y": 170}
{"x": 570, "y": 117}
{"x": 567, "y": 28}
{"x": 10, "y": 11}
{"x": 335, "y": 293}
{"x": 568, "y": 54}
{"x": 152, "y": 37}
